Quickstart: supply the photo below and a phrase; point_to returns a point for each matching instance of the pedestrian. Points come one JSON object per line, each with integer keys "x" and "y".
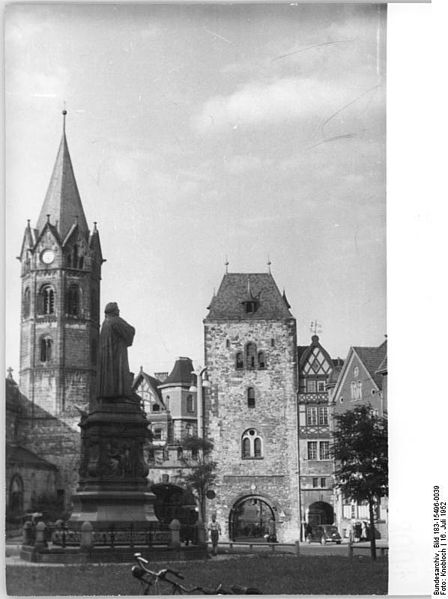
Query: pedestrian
{"x": 214, "y": 529}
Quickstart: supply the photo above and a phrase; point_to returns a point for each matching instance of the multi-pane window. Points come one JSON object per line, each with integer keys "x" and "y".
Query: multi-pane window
{"x": 251, "y": 397}
{"x": 47, "y": 300}
{"x": 189, "y": 430}
{"x": 324, "y": 450}
{"x": 320, "y": 386}
{"x": 311, "y": 386}
{"x": 251, "y": 445}
{"x": 319, "y": 483}
{"x": 318, "y": 450}
{"x": 312, "y": 450}
{"x": 323, "y": 415}
{"x": 46, "y": 346}
{"x": 157, "y": 434}
{"x": 311, "y": 415}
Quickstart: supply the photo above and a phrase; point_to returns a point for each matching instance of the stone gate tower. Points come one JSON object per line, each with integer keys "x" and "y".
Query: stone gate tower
{"x": 61, "y": 271}
{"x": 251, "y": 408}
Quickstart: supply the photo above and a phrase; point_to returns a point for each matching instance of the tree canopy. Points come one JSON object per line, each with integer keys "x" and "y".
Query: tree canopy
{"x": 361, "y": 454}
{"x": 360, "y": 451}
{"x": 202, "y": 470}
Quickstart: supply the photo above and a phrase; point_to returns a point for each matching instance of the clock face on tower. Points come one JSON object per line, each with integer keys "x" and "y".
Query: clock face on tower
{"x": 47, "y": 256}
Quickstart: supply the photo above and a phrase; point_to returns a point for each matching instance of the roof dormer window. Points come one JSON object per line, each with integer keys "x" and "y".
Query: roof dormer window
{"x": 251, "y": 306}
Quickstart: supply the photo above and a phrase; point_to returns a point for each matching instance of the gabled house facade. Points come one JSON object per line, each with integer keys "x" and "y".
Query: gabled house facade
{"x": 316, "y": 370}
{"x": 362, "y": 381}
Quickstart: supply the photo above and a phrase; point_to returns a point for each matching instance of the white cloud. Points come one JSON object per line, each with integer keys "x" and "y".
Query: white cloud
{"x": 275, "y": 102}
{"x": 26, "y": 83}
{"x": 240, "y": 164}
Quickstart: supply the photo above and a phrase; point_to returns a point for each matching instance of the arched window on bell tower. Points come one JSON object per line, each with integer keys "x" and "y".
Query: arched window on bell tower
{"x": 47, "y": 300}
{"x": 26, "y": 302}
{"x": 73, "y": 300}
{"x": 46, "y": 348}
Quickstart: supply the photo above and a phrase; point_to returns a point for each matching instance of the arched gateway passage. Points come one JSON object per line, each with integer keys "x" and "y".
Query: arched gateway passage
{"x": 320, "y": 512}
{"x": 252, "y": 518}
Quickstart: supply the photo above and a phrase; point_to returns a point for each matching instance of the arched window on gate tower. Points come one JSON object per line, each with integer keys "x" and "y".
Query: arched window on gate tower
{"x": 251, "y": 355}
{"x": 251, "y": 445}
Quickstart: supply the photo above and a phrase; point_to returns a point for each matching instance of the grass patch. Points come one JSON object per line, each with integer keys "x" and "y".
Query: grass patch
{"x": 272, "y": 575}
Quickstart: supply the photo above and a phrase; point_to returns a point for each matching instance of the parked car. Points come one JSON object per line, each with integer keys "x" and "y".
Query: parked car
{"x": 324, "y": 533}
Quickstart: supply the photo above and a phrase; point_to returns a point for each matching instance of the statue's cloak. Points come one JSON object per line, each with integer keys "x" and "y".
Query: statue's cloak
{"x": 114, "y": 378}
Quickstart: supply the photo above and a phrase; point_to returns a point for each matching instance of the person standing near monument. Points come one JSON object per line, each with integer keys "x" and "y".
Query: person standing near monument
{"x": 214, "y": 529}
{"x": 114, "y": 378}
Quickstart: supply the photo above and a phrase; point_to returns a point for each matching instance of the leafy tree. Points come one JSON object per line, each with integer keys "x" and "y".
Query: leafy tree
{"x": 202, "y": 470}
{"x": 360, "y": 451}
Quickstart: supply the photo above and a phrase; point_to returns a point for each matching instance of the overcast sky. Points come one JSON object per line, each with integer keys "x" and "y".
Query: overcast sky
{"x": 201, "y": 132}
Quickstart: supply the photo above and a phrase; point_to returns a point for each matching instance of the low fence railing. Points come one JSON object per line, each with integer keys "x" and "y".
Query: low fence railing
{"x": 41, "y": 535}
{"x": 272, "y": 547}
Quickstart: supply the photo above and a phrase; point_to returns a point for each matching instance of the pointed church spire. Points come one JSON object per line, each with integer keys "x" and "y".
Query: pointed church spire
{"x": 62, "y": 201}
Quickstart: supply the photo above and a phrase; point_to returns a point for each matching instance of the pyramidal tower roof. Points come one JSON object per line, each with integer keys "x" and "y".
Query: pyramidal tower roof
{"x": 62, "y": 201}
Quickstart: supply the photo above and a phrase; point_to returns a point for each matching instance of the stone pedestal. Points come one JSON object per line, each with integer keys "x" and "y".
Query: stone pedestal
{"x": 113, "y": 491}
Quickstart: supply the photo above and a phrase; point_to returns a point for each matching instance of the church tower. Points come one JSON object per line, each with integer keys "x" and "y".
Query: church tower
{"x": 61, "y": 272}
{"x": 250, "y": 408}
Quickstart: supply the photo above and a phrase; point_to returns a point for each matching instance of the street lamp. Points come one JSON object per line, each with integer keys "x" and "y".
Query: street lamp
{"x": 201, "y": 382}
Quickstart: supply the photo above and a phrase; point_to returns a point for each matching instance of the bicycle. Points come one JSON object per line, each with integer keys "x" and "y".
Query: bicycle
{"x": 151, "y": 582}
